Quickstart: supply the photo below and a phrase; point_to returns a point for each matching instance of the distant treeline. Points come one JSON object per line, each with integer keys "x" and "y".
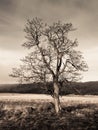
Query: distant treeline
{"x": 86, "y": 88}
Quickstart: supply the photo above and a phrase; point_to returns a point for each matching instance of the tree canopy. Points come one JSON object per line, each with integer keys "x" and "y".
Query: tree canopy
{"x": 52, "y": 53}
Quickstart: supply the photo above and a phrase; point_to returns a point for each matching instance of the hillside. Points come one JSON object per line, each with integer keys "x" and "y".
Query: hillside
{"x": 84, "y": 88}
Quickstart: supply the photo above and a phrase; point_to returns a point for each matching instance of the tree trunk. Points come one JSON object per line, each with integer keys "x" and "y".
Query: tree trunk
{"x": 56, "y": 97}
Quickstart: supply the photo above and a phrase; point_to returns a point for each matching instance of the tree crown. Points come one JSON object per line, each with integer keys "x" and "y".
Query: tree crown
{"x": 53, "y": 53}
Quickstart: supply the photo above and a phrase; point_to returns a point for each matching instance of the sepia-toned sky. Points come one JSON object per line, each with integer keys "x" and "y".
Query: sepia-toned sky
{"x": 83, "y": 14}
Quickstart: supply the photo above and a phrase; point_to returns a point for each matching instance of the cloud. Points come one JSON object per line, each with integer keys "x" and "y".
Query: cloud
{"x": 82, "y": 13}
{"x": 6, "y": 5}
{"x": 13, "y": 15}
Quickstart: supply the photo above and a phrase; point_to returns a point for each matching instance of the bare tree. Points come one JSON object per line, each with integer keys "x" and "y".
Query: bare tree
{"x": 53, "y": 56}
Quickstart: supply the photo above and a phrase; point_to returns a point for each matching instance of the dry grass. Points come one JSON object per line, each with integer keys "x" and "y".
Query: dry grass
{"x": 34, "y": 112}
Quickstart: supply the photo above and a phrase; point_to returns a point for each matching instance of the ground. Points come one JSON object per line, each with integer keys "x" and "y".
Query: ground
{"x": 36, "y": 112}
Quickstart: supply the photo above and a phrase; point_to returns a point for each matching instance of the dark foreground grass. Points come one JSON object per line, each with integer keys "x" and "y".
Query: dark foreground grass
{"x": 41, "y": 116}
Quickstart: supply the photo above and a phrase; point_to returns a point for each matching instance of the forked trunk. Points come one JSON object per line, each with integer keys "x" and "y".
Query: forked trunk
{"x": 56, "y": 97}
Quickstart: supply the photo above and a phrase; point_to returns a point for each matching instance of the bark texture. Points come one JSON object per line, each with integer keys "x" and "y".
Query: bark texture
{"x": 56, "y": 97}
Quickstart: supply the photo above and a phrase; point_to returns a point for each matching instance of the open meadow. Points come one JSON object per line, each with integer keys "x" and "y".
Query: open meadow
{"x": 36, "y": 112}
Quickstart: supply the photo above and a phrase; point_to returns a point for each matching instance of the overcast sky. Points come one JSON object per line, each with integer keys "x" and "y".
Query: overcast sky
{"x": 83, "y": 14}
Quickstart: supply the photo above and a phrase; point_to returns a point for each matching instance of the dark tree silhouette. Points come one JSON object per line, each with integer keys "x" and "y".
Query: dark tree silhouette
{"x": 53, "y": 56}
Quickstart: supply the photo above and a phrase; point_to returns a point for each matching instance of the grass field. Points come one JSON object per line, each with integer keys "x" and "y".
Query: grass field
{"x": 36, "y": 112}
